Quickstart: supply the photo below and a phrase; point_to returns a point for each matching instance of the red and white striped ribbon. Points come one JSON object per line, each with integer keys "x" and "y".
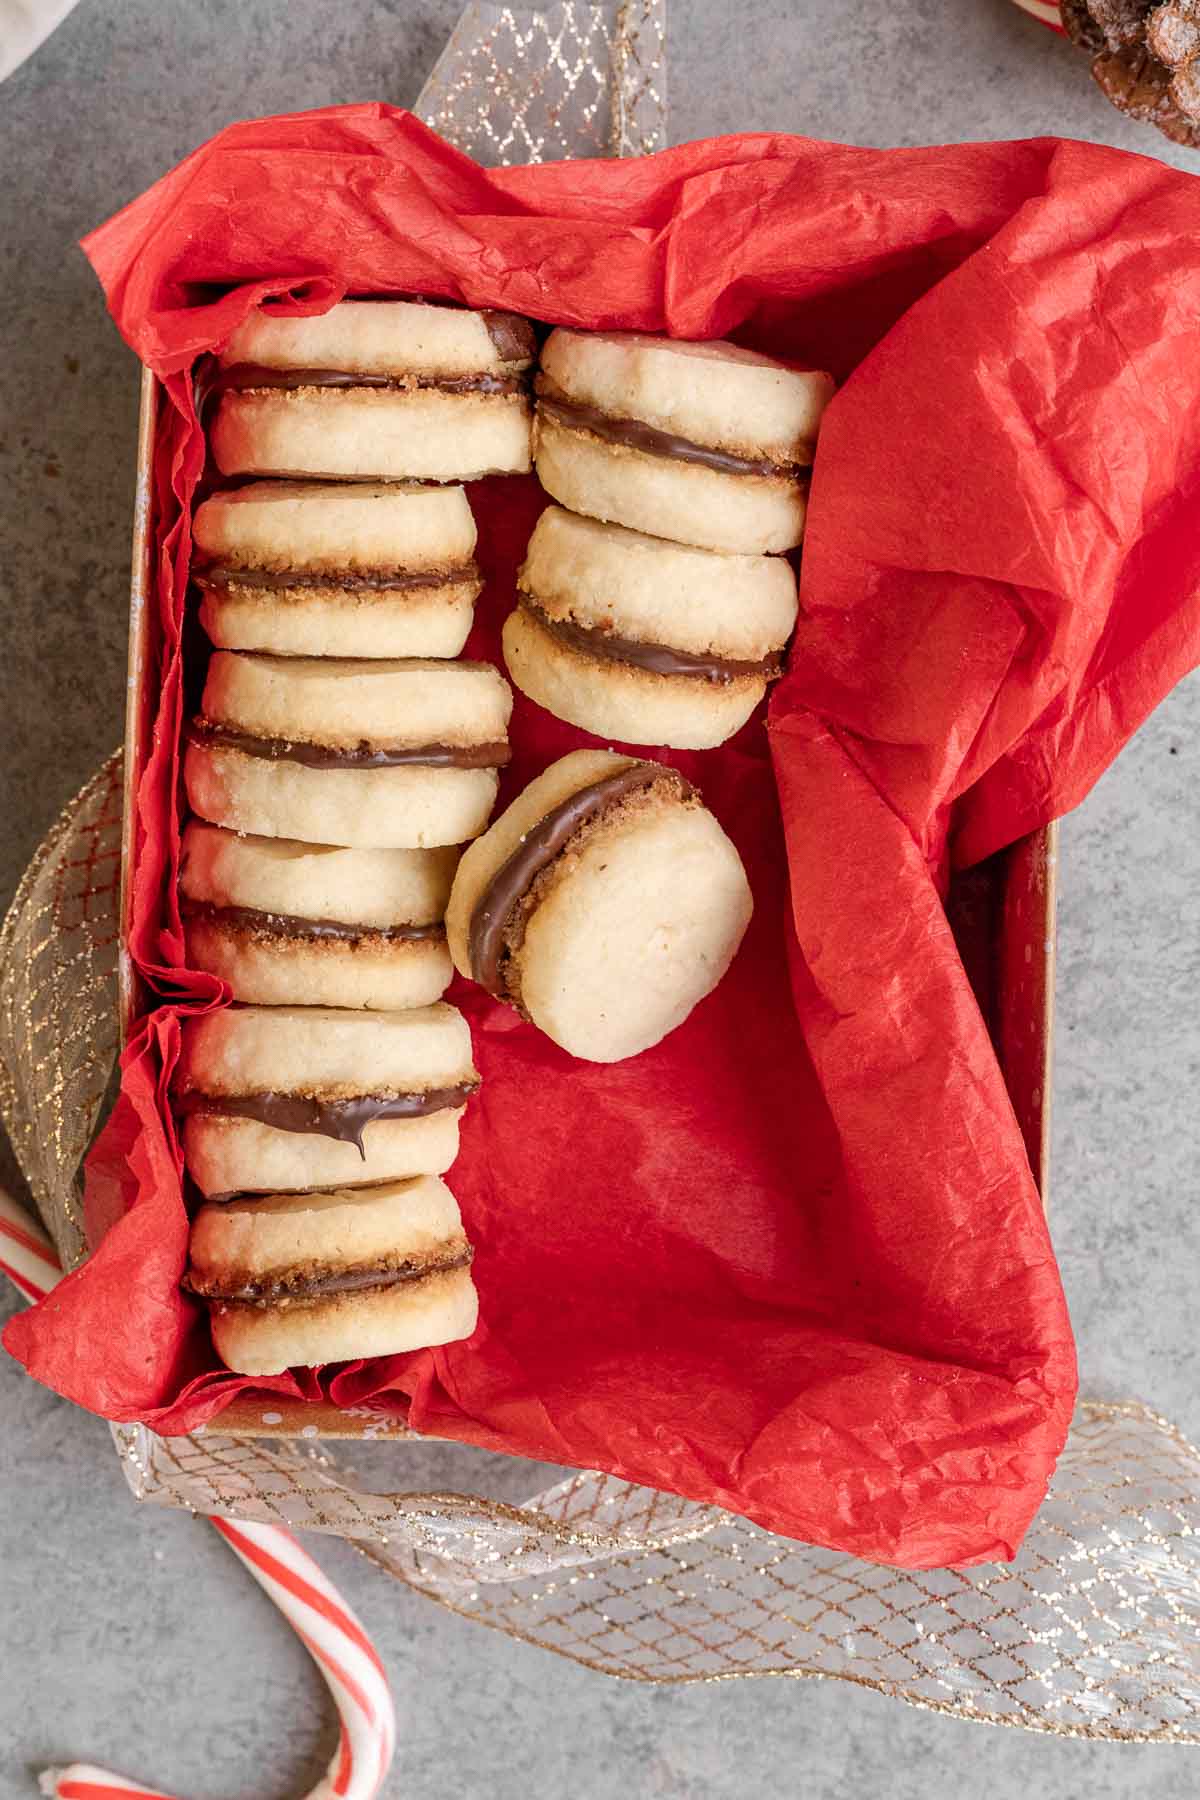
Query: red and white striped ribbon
{"x": 27, "y": 1256}
{"x": 1045, "y": 11}
{"x": 308, "y": 1600}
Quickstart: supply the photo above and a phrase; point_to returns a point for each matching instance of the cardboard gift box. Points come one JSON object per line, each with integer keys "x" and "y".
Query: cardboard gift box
{"x": 802, "y": 1270}
{"x": 1002, "y": 913}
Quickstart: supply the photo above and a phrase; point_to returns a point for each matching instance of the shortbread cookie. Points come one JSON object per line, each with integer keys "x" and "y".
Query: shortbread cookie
{"x": 286, "y": 1099}
{"x": 289, "y": 924}
{"x": 375, "y": 755}
{"x": 296, "y": 1281}
{"x": 312, "y": 569}
{"x": 603, "y": 904}
{"x": 645, "y": 641}
{"x": 388, "y": 390}
{"x": 703, "y": 443}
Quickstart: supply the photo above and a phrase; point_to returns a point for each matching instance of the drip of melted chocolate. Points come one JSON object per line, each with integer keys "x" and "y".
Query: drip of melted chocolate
{"x": 657, "y": 659}
{"x": 514, "y": 878}
{"x": 289, "y": 925}
{"x": 635, "y": 434}
{"x": 345, "y": 1120}
{"x": 357, "y": 756}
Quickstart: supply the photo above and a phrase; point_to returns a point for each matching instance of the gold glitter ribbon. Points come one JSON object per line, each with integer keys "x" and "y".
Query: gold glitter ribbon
{"x": 1094, "y": 1630}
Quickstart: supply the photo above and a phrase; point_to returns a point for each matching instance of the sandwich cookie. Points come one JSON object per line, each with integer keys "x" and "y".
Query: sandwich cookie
{"x": 603, "y": 904}
{"x": 642, "y": 640}
{"x": 310, "y": 569}
{"x": 391, "y": 390}
{"x": 374, "y": 755}
{"x": 708, "y": 444}
{"x": 289, "y": 924}
{"x": 285, "y": 1099}
{"x": 293, "y": 1282}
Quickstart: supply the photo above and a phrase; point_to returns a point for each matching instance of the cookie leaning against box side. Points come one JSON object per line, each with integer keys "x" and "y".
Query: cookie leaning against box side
{"x": 642, "y": 640}
{"x": 389, "y": 390}
{"x": 374, "y": 755}
{"x": 603, "y": 904}
{"x": 294, "y": 1281}
{"x": 318, "y": 569}
{"x": 708, "y": 444}
{"x": 287, "y": 1099}
{"x": 289, "y": 924}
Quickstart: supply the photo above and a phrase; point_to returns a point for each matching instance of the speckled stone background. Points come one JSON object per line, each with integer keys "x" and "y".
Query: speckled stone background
{"x": 130, "y": 1636}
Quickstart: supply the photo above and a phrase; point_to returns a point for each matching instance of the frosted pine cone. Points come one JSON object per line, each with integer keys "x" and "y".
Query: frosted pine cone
{"x": 1145, "y": 58}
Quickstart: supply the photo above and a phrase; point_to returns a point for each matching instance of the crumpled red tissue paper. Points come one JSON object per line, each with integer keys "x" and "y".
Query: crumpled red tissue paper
{"x": 792, "y": 1260}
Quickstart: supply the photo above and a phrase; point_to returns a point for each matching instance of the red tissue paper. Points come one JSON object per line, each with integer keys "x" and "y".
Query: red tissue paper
{"x": 792, "y": 1260}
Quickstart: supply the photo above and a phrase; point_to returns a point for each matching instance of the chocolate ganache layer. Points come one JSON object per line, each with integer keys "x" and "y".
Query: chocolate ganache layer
{"x": 242, "y": 378}
{"x": 635, "y": 434}
{"x": 289, "y": 925}
{"x": 207, "y": 735}
{"x": 220, "y": 576}
{"x": 656, "y": 659}
{"x": 540, "y": 845}
{"x": 271, "y": 1291}
{"x": 345, "y": 1120}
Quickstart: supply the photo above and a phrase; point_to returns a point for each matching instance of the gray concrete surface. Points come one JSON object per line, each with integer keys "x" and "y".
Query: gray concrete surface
{"x": 129, "y": 1636}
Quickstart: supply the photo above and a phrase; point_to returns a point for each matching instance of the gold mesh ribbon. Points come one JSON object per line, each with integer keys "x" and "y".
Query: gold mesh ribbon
{"x": 1093, "y": 1632}
{"x": 515, "y": 86}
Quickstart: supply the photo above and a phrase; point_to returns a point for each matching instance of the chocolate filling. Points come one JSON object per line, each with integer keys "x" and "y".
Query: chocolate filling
{"x": 658, "y": 659}
{"x": 635, "y": 434}
{"x": 289, "y": 925}
{"x": 345, "y": 1120}
{"x": 268, "y": 1292}
{"x": 241, "y": 378}
{"x": 513, "y": 879}
{"x": 220, "y": 576}
{"x": 358, "y": 756}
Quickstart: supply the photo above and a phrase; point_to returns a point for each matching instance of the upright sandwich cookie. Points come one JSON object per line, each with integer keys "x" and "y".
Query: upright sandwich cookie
{"x": 374, "y": 755}
{"x": 285, "y": 1099}
{"x": 289, "y": 924}
{"x": 295, "y": 1282}
{"x": 643, "y": 640}
{"x": 384, "y": 389}
{"x": 310, "y": 569}
{"x": 704, "y": 443}
{"x": 603, "y": 904}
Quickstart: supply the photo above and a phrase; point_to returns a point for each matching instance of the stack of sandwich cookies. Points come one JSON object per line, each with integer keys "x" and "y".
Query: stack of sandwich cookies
{"x": 291, "y": 1099}
{"x": 376, "y": 390}
{"x": 311, "y": 569}
{"x": 708, "y": 444}
{"x": 603, "y": 904}
{"x": 289, "y": 924}
{"x": 645, "y": 641}
{"x": 296, "y": 1281}
{"x": 373, "y": 755}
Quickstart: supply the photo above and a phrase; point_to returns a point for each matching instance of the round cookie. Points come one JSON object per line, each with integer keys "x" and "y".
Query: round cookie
{"x": 702, "y": 443}
{"x": 296, "y": 1281}
{"x": 386, "y": 337}
{"x": 310, "y": 569}
{"x": 604, "y": 903}
{"x": 642, "y": 640}
{"x": 288, "y": 924}
{"x": 442, "y": 1309}
{"x": 392, "y": 390}
{"x": 287, "y": 1099}
{"x": 369, "y": 754}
